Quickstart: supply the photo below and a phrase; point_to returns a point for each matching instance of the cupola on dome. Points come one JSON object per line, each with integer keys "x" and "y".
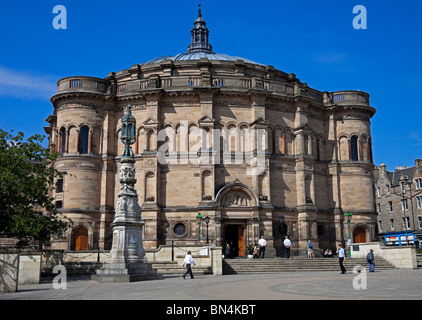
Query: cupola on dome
{"x": 199, "y": 47}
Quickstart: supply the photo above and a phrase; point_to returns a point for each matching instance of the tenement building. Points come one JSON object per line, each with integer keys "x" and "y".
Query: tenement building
{"x": 253, "y": 148}
{"x": 398, "y": 197}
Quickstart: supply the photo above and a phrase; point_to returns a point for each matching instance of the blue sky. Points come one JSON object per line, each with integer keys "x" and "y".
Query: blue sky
{"x": 313, "y": 39}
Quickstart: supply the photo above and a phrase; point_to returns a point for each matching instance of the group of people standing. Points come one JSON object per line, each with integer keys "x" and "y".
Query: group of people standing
{"x": 259, "y": 250}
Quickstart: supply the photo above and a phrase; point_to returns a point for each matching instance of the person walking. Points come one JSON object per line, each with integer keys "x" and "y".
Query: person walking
{"x": 370, "y": 258}
{"x": 310, "y": 250}
{"x": 187, "y": 262}
{"x": 287, "y": 243}
{"x": 262, "y": 243}
{"x": 341, "y": 258}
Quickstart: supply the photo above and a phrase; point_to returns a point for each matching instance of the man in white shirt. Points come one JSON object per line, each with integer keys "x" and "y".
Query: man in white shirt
{"x": 262, "y": 243}
{"x": 187, "y": 262}
{"x": 341, "y": 258}
{"x": 287, "y": 243}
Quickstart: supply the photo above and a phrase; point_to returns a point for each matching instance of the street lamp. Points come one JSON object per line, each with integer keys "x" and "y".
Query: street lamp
{"x": 128, "y": 133}
{"x": 348, "y": 217}
{"x": 199, "y": 218}
{"x": 207, "y": 221}
{"x": 403, "y": 181}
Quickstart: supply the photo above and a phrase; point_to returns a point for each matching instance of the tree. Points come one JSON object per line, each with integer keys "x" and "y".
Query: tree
{"x": 27, "y": 177}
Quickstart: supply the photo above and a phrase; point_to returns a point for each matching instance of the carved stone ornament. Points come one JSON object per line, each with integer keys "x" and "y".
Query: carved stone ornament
{"x": 236, "y": 199}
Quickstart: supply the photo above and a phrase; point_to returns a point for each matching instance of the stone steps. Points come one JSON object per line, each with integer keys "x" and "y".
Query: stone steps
{"x": 173, "y": 268}
{"x": 75, "y": 269}
{"x": 87, "y": 269}
{"x": 275, "y": 265}
{"x": 419, "y": 259}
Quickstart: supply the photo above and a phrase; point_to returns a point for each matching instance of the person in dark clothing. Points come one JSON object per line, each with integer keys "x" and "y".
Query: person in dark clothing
{"x": 370, "y": 258}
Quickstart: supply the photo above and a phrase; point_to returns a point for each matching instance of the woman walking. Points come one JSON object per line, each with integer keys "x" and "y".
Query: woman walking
{"x": 187, "y": 262}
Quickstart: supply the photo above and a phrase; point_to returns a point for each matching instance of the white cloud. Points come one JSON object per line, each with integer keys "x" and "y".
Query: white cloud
{"x": 26, "y": 85}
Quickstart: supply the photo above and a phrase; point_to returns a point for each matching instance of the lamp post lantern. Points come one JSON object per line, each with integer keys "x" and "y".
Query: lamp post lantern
{"x": 128, "y": 133}
{"x": 199, "y": 218}
{"x": 348, "y": 217}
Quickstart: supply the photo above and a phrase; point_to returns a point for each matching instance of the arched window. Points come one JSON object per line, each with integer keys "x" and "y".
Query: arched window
{"x": 83, "y": 140}
{"x": 62, "y": 140}
{"x": 354, "y": 148}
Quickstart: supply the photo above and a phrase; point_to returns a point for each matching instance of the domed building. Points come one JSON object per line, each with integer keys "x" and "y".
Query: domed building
{"x": 253, "y": 148}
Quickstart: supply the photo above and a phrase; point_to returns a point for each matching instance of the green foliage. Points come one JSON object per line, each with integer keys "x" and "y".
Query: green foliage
{"x": 27, "y": 178}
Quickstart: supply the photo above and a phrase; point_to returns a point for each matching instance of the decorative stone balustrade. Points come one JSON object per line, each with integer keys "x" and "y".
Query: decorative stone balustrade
{"x": 82, "y": 84}
{"x": 346, "y": 98}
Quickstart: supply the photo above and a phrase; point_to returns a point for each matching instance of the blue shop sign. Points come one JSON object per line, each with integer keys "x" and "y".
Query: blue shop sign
{"x": 399, "y": 239}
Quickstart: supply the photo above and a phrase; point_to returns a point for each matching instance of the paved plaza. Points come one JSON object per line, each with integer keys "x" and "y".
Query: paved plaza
{"x": 380, "y": 285}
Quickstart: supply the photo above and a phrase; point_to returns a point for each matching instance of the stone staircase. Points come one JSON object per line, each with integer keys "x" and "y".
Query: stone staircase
{"x": 80, "y": 270}
{"x": 419, "y": 259}
{"x": 296, "y": 264}
{"x": 172, "y": 268}
{"x": 74, "y": 270}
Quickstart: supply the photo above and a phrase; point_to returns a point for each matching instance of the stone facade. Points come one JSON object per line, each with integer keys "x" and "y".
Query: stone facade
{"x": 253, "y": 148}
{"x": 398, "y": 198}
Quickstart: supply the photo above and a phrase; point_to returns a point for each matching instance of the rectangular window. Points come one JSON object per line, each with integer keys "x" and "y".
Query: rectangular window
{"x": 378, "y": 192}
{"x": 59, "y": 205}
{"x": 392, "y": 224}
{"x": 378, "y": 208}
{"x": 419, "y": 203}
{"x": 406, "y": 221}
{"x": 380, "y": 225}
{"x": 404, "y": 205}
{"x": 390, "y": 206}
{"x": 387, "y": 188}
{"x": 59, "y": 186}
{"x": 402, "y": 184}
{"x": 420, "y": 222}
{"x": 418, "y": 184}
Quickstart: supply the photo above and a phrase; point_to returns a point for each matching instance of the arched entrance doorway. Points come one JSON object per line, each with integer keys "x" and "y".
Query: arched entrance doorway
{"x": 80, "y": 239}
{"x": 359, "y": 235}
{"x": 239, "y": 217}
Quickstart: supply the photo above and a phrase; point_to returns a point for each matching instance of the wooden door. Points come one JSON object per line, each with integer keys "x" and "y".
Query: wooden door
{"x": 359, "y": 235}
{"x": 80, "y": 239}
{"x": 241, "y": 240}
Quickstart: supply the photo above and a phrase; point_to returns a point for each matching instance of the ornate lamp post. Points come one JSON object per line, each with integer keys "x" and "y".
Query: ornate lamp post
{"x": 127, "y": 260}
{"x": 207, "y": 221}
{"x": 348, "y": 217}
{"x": 199, "y": 218}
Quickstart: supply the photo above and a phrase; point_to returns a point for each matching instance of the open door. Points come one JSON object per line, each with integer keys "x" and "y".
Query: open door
{"x": 359, "y": 235}
{"x": 241, "y": 240}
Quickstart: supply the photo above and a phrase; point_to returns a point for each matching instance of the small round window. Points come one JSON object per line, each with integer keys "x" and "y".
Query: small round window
{"x": 179, "y": 229}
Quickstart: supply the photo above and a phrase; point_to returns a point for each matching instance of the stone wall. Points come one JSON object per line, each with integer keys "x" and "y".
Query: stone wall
{"x": 400, "y": 257}
{"x": 17, "y": 268}
{"x": 9, "y": 272}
